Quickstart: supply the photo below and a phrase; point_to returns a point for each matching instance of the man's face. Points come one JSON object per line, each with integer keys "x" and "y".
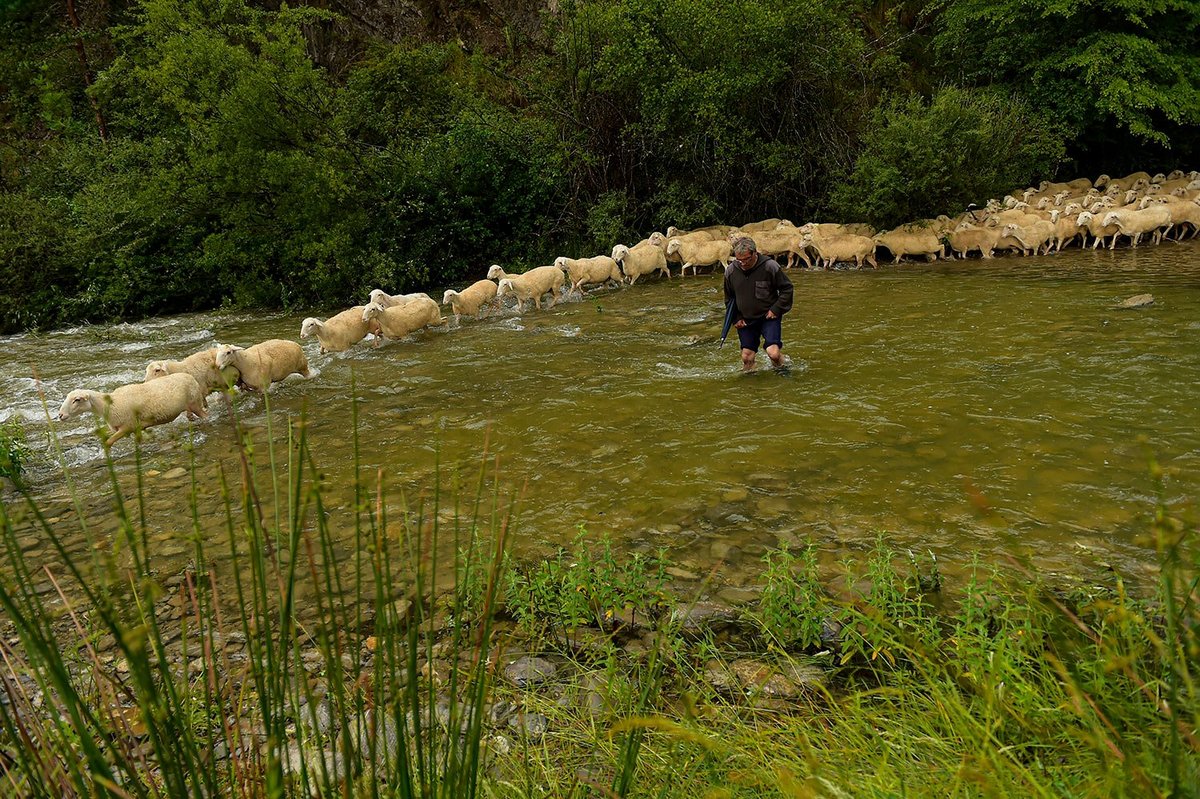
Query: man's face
{"x": 746, "y": 259}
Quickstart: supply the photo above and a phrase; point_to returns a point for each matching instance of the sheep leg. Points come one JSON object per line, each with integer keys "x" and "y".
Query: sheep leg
{"x": 117, "y": 435}
{"x": 683, "y": 271}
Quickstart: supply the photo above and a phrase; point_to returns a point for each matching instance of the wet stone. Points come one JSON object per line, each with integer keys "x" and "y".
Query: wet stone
{"x": 723, "y": 550}
{"x": 527, "y": 672}
{"x": 701, "y": 616}
{"x": 735, "y": 495}
{"x": 738, "y": 596}
{"x": 174, "y": 474}
{"x": 531, "y": 725}
{"x": 681, "y": 574}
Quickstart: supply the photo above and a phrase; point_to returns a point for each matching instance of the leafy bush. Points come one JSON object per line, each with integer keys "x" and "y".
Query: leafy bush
{"x": 923, "y": 158}
{"x": 14, "y": 449}
{"x": 587, "y": 585}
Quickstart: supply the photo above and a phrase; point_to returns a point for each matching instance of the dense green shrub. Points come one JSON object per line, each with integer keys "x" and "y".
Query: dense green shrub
{"x": 923, "y": 158}
{"x": 14, "y": 450}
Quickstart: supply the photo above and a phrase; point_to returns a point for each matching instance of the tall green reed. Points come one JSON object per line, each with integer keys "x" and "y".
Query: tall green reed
{"x": 179, "y": 712}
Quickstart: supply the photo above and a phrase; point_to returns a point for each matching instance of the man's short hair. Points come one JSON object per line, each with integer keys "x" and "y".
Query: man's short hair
{"x": 744, "y": 244}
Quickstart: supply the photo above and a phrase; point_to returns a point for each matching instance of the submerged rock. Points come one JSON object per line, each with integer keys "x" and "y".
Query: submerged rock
{"x": 1136, "y": 301}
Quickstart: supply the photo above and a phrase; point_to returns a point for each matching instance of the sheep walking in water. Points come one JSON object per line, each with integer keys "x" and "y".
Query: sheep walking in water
{"x": 265, "y": 363}
{"x": 341, "y": 331}
{"x": 200, "y": 365}
{"x": 136, "y": 406}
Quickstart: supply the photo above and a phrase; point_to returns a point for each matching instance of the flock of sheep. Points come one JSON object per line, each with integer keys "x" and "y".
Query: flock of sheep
{"x": 1045, "y": 218}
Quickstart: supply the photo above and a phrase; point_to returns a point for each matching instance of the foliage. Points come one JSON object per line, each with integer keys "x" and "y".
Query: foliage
{"x": 298, "y": 157}
{"x": 1101, "y": 69}
{"x": 962, "y": 146}
{"x": 587, "y": 585}
{"x": 794, "y": 608}
{"x": 14, "y": 449}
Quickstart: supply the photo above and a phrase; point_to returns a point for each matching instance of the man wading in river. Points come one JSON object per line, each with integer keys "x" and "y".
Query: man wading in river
{"x": 763, "y": 294}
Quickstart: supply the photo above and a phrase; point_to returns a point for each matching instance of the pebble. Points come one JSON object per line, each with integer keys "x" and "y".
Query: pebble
{"x": 532, "y": 725}
{"x": 527, "y": 672}
{"x": 735, "y": 495}
{"x": 682, "y": 574}
{"x": 174, "y": 474}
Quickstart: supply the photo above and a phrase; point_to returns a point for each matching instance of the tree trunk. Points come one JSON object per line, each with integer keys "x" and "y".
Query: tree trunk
{"x": 87, "y": 72}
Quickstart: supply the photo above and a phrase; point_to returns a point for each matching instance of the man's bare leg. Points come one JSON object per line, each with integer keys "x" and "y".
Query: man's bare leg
{"x": 747, "y": 360}
{"x": 773, "y": 353}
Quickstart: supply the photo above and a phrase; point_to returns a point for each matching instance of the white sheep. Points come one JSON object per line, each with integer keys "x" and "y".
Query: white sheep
{"x": 1032, "y": 237}
{"x": 341, "y": 331}
{"x": 532, "y": 285}
{"x": 496, "y": 272}
{"x": 470, "y": 300}
{"x": 641, "y": 259}
{"x": 390, "y": 300}
{"x": 200, "y": 365}
{"x": 832, "y": 249}
{"x": 1134, "y": 223}
{"x": 264, "y": 363}
{"x": 698, "y": 253}
{"x": 713, "y": 232}
{"x": 784, "y": 239}
{"x": 584, "y": 271}
{"x": 137, "y": 406}
{"x": 399, "y": 321}
{"x": 968, "y": 237}
{"x": 901, "y": 242}
{"x": 1092, "y": 222}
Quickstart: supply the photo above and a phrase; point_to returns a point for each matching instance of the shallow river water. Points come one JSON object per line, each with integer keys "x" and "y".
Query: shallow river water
{"x": 917, "y": 396}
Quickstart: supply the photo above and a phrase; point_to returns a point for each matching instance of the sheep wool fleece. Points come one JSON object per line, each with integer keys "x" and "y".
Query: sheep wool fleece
{"x": 761, "y": 288}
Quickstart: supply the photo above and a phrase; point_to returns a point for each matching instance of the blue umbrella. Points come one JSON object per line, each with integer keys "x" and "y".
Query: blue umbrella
{"x": 730, "y": 311}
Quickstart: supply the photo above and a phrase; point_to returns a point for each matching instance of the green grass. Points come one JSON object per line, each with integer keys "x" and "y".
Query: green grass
{"x": 296, "y": 671}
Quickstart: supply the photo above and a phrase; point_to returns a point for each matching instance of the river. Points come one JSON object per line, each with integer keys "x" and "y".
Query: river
{"x": 975, "y": 410}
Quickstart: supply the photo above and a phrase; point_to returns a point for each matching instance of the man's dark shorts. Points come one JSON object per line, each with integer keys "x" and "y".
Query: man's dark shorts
{"x": 769, "y": 330}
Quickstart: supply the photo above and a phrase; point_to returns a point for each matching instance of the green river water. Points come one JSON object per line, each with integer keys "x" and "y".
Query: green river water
{"x": 916, "y": 395}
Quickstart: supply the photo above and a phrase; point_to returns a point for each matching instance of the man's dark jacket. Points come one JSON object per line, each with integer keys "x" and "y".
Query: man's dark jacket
{"x": 764, "y": 287}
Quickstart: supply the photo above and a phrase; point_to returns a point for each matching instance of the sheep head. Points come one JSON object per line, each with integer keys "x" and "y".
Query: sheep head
{"x": 1054, "y": 215}
{"x": 1111, "y": 218}
{"x": 1072, "y": 208}
{"x": 1130, "y": 196}
{"x": 77, "y": 402}
{"x": 1084, "y": 217}
{"x": 310, "y": 326}
{"x": 372, "y": 310}
{"x": 1042, "y": 203}
{"x": 377, "y": 295}
{"x": 620, "y": 253}
{"x": 449, "y": 295}
{"x": 505, "y": 288}
{"x": 225, "y": 354}
{"x": 673, "y": 246}
{"x": 495, "y": 272}
{"x": 672, "y": 232}
{"x": 657, "y": 239}
{"x": 1176, "y": 174}
{"x": 1102, "y": 180}
{"x": 1062, "y": 195}
{"x": 561, "y": 262}
{"x": 1159, "y": 178}
{"x": 156, "y": 369}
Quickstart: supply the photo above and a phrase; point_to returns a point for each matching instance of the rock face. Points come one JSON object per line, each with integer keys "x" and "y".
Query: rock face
{"x": 1136, "y": 301}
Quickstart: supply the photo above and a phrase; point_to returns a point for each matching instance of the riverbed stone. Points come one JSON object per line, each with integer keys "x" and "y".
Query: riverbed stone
{"x": 1136, "y": 301}
{"x": 699, "y": 617}
{"x": 529, "y": 672}
{"x": 531, "y": 725}
{"x": 681, "y": 574}
{"x": 736, "y": 595}
{"x": 174, "y": 474}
